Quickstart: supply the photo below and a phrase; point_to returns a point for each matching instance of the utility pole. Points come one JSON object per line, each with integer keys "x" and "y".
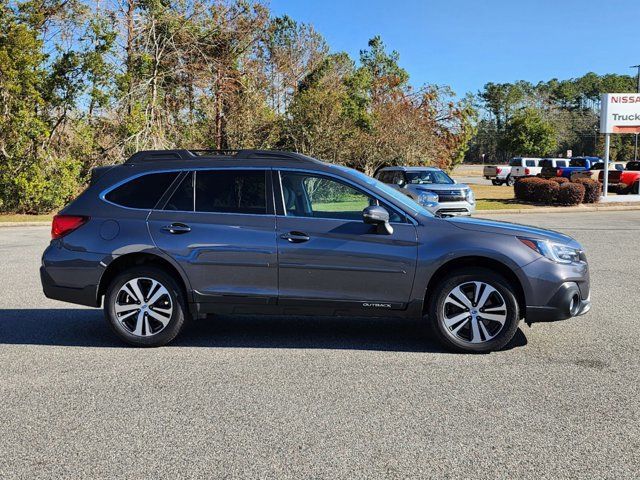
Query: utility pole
{"x": 635, "y": 149}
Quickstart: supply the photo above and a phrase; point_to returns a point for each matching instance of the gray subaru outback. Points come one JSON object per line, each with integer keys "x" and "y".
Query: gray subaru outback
{"x": 172, "y": 235}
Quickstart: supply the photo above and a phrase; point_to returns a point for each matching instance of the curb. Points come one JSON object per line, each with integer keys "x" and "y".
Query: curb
{"x": 580, "y": 209}
{"x": 24, "y": 224}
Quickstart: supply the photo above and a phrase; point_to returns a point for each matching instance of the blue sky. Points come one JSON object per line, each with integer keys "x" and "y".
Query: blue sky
{"x": 467, "y": 43}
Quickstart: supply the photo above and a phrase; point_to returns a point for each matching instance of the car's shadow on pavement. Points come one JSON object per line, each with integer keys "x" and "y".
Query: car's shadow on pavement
{"x": 87, "y": 328}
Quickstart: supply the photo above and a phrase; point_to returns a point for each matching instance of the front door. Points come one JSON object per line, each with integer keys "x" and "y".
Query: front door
{"x": 220, "y": 226}
{"x": 328, "y": 257}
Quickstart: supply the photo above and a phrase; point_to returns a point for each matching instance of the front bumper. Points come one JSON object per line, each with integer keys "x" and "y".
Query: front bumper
{"x": 566, "y": 303}
{"x": 451, "y": 209}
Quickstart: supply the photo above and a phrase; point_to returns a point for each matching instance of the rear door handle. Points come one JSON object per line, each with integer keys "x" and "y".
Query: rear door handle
{"x": 295, "y": 237}
{"x": 177, "y": 228}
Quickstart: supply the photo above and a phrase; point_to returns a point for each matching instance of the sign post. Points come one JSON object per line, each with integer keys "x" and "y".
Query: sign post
{"x": 619, "y": 113}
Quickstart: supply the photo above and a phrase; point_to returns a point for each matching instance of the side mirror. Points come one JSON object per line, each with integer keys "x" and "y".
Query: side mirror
{"x": 378, "y": 216}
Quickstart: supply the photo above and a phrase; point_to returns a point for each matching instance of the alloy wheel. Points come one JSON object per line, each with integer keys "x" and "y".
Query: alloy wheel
{"x": 143, "y": 307}
{"x": 474, "y": 312}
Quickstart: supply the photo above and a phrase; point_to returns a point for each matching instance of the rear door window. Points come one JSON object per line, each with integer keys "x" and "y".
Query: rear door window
{"x": 530, "y": 163}
{"x": 142, "y": 192}
{"x": 182, "y": 198}
{"x": 231, "y": 191}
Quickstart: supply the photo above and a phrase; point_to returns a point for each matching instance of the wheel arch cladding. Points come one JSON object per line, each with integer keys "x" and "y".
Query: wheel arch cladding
{"x": 130, "y": 260}
{"x": 465, "y": 263}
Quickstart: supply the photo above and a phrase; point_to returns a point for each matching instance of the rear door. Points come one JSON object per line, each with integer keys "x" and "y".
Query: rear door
{"x": 219, "y": 225}
{"x": 328, "y": 257}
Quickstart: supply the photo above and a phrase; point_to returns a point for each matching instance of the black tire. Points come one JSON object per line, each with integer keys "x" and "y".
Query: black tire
{"x": 436, "y": 312}
{"x": 496, "y": 182}
{"x": 509, "y": 181}
{"x": 174, "y": 297}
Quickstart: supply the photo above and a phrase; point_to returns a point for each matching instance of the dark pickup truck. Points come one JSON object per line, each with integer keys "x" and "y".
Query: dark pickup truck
{"x": 576, "y": 164}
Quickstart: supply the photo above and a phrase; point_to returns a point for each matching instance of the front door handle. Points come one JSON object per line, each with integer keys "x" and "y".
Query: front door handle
{"x": 177, "y": 228}
{"x": 295, "y": 237}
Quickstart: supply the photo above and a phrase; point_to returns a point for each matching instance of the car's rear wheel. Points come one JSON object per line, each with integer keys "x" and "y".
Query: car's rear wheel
{"x": 145, "y": 307}
{"x": 496, "y": 182}
{"x": 509, "y": 181}
{"x": 474, "y": 311}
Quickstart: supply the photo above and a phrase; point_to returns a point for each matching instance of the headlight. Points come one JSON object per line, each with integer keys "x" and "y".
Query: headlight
{"x": 553, "y": 251}
{"x": 427, "y": 198}
{"x": 471, "y": 198}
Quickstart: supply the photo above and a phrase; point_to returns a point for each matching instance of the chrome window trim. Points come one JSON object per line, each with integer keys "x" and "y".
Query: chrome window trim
{"x": 355, "y": 185}
{"x": 106, "y": 191}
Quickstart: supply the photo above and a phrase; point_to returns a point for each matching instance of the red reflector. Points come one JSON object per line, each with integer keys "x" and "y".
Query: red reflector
{"x": 498, "y": 170}
{"x": 559, "y": 172}
{"x": 527, "y": 171}
{"x": 530, "y": 243}
{"x": 64, "y": 224}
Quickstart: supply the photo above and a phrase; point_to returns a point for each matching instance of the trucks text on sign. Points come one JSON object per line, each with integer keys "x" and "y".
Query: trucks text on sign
{"x": 620, "y": 113}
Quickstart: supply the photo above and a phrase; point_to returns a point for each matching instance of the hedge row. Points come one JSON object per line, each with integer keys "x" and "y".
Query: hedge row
{"x": 557, "y": 190}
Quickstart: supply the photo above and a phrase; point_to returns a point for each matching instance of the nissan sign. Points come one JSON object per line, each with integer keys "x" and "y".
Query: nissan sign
{"x": 620, "y": 113}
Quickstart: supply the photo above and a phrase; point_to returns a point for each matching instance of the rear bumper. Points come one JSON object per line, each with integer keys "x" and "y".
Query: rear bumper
{"x": 71, "y": 276}
{"x": 81, "y": 296}
{"x": 566, "y": 303}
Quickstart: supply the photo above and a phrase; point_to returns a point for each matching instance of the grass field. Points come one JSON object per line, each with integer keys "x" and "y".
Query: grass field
{"x": 490, "y": 197}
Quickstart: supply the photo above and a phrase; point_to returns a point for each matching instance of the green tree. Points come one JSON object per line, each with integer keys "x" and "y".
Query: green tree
{"x": 527, "y": 133}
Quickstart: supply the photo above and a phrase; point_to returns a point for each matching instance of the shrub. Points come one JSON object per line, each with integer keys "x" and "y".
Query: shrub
{"x": 534, "y": 189}
{"x": 592, "y": 189}
{"x": 559, "y": 180}
{"x": 570, "y": 194}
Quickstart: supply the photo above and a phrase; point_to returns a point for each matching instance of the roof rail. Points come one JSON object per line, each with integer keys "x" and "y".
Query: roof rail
{"x": 169, "y": 155}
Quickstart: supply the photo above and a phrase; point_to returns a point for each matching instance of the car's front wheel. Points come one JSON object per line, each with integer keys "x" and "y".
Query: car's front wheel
{"x": 145, "y": 307}
{"x": 474, "y": 311}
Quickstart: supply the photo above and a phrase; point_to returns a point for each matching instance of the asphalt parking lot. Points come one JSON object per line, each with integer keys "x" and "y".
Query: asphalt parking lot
{"x": 323, "y": 398}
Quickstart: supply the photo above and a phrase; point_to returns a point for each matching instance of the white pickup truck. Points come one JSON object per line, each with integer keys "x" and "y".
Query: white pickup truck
{"x": 498, "y": 174}
{"x": 518, "y": 167}
{"x": 533, "y": 166}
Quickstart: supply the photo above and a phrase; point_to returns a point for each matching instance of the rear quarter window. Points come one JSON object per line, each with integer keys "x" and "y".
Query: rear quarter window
{"x": 143, "y": 191}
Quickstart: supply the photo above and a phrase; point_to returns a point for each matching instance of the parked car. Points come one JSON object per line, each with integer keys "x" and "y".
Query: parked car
{"x": 544, "y": 163}
{"x": 430, "y": 187}
{"x": 498, "y": 174}
{"x": 596, "y": 171}
{"x": 577, "y": 164}
{"x": 624, "y": 181}
{"x": 170, "y": 235}
{"x": 525, "y": 167}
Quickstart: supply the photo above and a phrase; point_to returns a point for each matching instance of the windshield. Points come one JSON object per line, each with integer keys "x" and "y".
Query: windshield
{"x": 428, "y": 176}
{"x": 400, "y": 197}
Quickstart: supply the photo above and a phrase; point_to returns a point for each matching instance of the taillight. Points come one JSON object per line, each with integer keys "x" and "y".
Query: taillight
{"x": 64, "y": 224}
{"x": 498, "y": 170}
{"x": 559, "y": 172}
{"x": 527, "y": 171}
